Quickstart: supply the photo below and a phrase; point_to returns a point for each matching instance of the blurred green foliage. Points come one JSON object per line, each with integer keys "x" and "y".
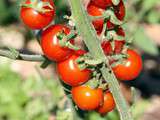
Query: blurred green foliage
{"x": 9, "y": 11}
{"x": 37, "y": 98}
{"x": 139, "y": 14}
{"x": 30, "y": 99}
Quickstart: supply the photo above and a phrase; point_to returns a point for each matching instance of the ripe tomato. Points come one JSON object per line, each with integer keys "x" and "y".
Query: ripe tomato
{"x": 107, "y": 47}
{"x": 87, "y": 98}
{"x": 50, "y": 43}
{"x": 131, "y": 68}
{"x": 102, "y": 3}
{"x": 34, "y": 19}
{"x": 95, "y": 11}
{"x": 120, "y": 10}
{"x": 70, "y": 73}
{"x": 98, "y": 24}
{"x": 120, "y": 31}
{"x": 108, "y": 50}
{"x": 108, "y": 104}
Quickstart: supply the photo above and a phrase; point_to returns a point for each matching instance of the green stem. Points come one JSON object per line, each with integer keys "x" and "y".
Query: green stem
{"x": 25, "y": 57}
{"x": 91, "y": 40}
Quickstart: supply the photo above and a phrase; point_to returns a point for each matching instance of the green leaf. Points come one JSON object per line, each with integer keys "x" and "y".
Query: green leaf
{"x": 144, "y": 42}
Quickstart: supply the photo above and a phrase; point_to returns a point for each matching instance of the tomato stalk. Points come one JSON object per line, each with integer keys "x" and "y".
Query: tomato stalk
{"x": 21, "y": 56}
{"x": 91, "y": 40}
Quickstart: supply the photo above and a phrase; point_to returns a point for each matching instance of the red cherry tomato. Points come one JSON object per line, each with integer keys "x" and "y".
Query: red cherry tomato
{"x": 120, "y": 10}
{"x": 102, "y": 3}
{"x": 98, "y": 24}
{"x": 95, "y": 11}
{"x": 107, "y": 47}
{"x": 120, "y": 31}
{"x": 87, "y": 98}
{"x": 50, "y": 43}
{"x": 34, "y": 19}
{"x": 131, "y": 67}
{"x": 108, "y": 104}
{"x": 70, "y": 73}
{"x": 108, "y": 50}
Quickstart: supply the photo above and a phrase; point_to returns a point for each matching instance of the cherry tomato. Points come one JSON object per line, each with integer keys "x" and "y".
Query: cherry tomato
{"x": 102, "y": 3}
{"x": 95, "y": 11}
{"x": 70, "y": 73}
{"x": 50, "y": 43}
{"x": 108, "y": 104}
{"x": 87, "y": 98}
{"x": 120, "y": 10}
{"x": 98, "y": 24}
{"x": 131, "y": 67}
{"x": 34, "y": 19}
{"x": 108, "y": 50}
{"x": 120, "y": 31}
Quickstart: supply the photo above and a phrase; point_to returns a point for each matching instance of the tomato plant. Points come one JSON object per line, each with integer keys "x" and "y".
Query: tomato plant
{"x": 50, "y": 43}
{"x": 130, "y": 68}
{"x": 108, "y": 104}
{"x": 87, "y": 98}
{"x": 70, "y": 73}
{"x": 36, "y": 17}
{"x": 87, "y": 75}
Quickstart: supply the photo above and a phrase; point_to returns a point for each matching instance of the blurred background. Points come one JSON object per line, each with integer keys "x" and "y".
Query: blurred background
{"x": 28, "y": 92}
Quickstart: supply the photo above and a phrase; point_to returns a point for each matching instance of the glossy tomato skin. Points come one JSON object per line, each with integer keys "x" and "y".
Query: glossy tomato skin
{"x": 120, "y": 10}
{"x": 108, "y": 104}
{"x": 50, "y": 43}
{"x": 34, "y": 19}
{"x": 87, "y": 98}
{"x": 131, "y": 68}
{"x": 102, "y": 3}
{"x": 70, "y": 73}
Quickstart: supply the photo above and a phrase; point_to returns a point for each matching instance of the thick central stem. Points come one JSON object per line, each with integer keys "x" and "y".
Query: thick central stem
{"x": 91, "y": 40}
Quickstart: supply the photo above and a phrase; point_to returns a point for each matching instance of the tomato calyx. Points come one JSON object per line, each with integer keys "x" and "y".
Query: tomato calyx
{"x": 67, "y": 40}
{"x": 86, "y": 61}
{"x": 92, "y": 83}
{"x": 39, "y": 6}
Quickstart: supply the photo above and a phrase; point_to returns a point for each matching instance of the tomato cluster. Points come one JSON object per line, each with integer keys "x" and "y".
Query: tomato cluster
{"x": 38, "y": 14}
{"x": 132, "y": 64}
